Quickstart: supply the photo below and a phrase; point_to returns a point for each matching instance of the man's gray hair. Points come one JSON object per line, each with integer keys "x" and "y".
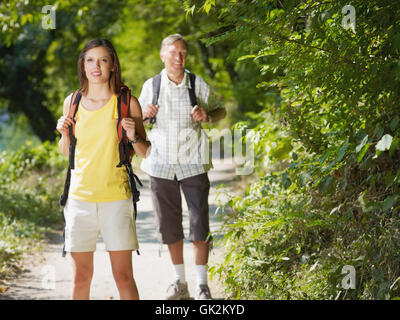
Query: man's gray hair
{"x": 171, "y": 39}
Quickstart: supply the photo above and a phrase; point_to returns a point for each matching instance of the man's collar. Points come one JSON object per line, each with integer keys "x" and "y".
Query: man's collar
{"x": 185, "y": 81}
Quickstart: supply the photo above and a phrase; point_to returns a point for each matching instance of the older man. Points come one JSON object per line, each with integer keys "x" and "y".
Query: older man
{"x": 177, "y": 102}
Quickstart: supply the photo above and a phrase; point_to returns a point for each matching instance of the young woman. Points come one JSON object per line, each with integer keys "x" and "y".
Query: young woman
{"x": 99, "y": 198}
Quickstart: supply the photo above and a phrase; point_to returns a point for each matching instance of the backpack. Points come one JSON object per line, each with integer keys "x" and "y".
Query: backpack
{"x": 125, "y": 149}
{"x": 156, "y": 92}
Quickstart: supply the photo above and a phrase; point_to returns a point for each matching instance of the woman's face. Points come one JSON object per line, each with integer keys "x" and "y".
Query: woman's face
{"x": 98, "y": 65}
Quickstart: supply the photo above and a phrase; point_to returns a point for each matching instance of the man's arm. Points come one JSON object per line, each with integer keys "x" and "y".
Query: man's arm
{"x": 216, "y": 115}
{"x": 210, "y": 107}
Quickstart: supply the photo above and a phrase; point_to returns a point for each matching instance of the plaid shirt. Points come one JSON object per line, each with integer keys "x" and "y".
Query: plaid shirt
{"x": 178, "y": 145}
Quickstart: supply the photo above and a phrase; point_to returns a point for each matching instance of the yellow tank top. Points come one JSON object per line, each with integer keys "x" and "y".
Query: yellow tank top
{"x": 96, "y": 177}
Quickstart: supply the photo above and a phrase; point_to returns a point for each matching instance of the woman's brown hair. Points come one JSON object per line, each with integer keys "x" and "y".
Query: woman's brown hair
{"x": 114, "y": 81}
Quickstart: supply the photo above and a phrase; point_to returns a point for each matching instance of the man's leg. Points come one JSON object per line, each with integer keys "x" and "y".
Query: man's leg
{"x": 196, "y": 190}
{"x": 167, "y": 204}
{"x": 201, "y": 250}
{"x": 176, "y": 252}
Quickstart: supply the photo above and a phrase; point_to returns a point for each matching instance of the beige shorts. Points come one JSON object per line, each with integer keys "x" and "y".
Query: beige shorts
{"x": 114, "y": 220}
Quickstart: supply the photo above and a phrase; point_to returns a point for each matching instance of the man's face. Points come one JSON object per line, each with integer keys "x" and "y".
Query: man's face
{"x": 174, "y": 57}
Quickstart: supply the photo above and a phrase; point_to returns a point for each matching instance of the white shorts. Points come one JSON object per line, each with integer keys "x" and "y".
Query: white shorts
{"x": 113, "y": 220}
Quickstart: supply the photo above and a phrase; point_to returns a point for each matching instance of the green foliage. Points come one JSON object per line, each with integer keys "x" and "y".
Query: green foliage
{"x": 15, "y": 132}
{"x": 41, "y": 63}
{"x": 327, "y": 186}
{"x": 38, "y": 65}
{"x": 321, "y": 100}
{"x": 30, "y": 182}
{"x": 16, "y": 238}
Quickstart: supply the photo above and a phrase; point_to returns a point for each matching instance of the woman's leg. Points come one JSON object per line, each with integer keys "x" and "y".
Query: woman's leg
{"x": 121, "y": 263}
{"x": 83, "y": 273}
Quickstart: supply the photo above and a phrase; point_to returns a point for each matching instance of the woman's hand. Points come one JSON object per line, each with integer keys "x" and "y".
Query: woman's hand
{"x": 63, "y": 124}
{"x": 129, "y": 125}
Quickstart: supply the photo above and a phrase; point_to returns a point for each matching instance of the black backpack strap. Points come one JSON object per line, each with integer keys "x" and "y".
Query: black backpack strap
{"x": 123, "y": 146}
{"x": 72, "y": 146}
{"x": 192, "y": 88}
{"x": 63, "y": 201}
{"x": 72, "y": 138}
{"x": 156, "y": 88}
{"x": 156, "y": 92}
{"x": 124, "y": 154}
{"x": 133, "y": 178}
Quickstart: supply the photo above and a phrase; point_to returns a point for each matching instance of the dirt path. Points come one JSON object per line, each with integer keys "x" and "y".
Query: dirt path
{"x": 49, "y": 276}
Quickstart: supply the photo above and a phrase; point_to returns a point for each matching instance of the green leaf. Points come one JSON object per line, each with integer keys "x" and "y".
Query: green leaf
{"x": 393, "y": 146}
{"x": 286, "y": 182}
{"x": 342, "y": 151}
{"x": 362, "y": 144}
{"x": 396, "y": 40}
{"x": 377, "y": 154}
{"x": 384, "y": 143}
{"x": 207, "y": 5}
{"x": 389, "y": 179}
{"x": 248, "y": 56}
{"x": 190, "y": 11}
{"x": 379, "y": 132}
{"x": 276, "y": 12}
{"x": 389, "y": 202}
{"x": 394, "y": 123}
{"x": 363, "y": 152}
{"x": 324, "y": 157}
{"x": 304, "y": 178}
{"x": 326, "y": 184}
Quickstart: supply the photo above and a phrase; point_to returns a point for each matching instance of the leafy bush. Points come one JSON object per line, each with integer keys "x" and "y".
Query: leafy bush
{"x": 30, "y": 182}
{"x": 296, "y": 228}
{"x": 17, "y": 236}
{"x": 326, "y": 193}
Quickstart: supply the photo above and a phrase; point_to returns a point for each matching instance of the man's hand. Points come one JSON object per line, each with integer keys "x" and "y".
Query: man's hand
{"x": 150, "y": 111}
{"x": 199, "y": 114}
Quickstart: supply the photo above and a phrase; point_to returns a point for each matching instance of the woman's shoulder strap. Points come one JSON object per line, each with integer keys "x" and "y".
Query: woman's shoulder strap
{"x": 76, "y": 97}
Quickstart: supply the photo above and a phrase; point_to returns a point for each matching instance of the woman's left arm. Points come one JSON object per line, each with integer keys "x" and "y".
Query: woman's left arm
{"x": 135, "y": 129}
